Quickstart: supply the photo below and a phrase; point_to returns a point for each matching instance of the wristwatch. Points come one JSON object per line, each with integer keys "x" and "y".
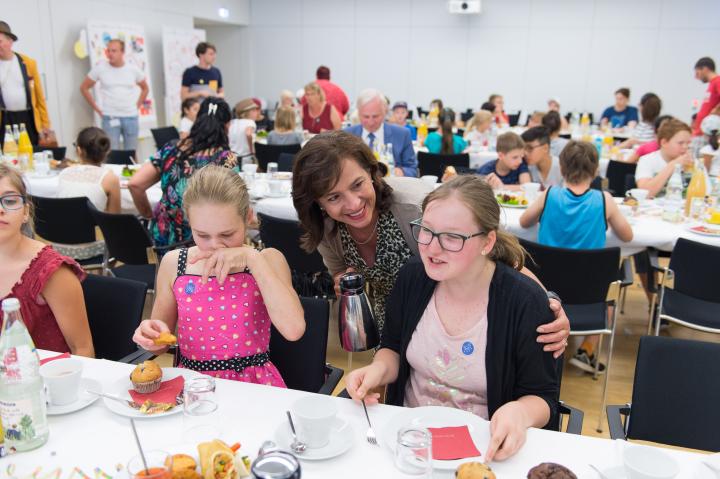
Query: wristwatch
{"x": 554, "y": 295}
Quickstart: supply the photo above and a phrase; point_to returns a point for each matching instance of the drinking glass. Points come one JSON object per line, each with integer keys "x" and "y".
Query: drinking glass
{"x": 200, "y": 417}
{"x": 159, "y": 464}
{"x": 272, "y": 169}
{"x": 697, "y": 208}
{"x": 413, "y": 451}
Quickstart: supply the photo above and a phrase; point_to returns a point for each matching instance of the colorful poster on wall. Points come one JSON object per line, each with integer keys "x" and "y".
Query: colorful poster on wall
{"x": 99, "y": 33}
{"x": 178, "y": 54}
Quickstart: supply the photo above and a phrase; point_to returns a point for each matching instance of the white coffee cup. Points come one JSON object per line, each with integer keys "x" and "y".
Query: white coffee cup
{"x": 62, "y": 379}
{"x": 531, "y": 190}
{"x": 250, "y": 168}
{"x": 275, "y": 187}
{"x": 639, "y": 194}
{"x": 643, "y": 462}
{"x": 316, "y": 418}
{"x": 429, "y": 179}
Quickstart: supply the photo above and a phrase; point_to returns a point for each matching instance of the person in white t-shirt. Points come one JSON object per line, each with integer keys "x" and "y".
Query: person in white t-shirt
{"x": 544, "y": 167}
{"x": 118, "y": 99}
{"x": 190, "y": 108}
{"x": 655, "y": 169}
{"x": 242, "y": 128}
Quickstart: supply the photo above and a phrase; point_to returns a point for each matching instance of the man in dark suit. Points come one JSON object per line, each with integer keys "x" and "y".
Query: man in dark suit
{"x": 373, "y": 129}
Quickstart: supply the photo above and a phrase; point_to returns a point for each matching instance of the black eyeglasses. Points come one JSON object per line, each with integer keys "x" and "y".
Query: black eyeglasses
{"x": 452, "y": 242}
{"x": 12, "y": 201}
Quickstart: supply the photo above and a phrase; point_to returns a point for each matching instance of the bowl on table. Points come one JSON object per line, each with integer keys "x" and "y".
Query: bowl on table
{"x": 649, "y": 463}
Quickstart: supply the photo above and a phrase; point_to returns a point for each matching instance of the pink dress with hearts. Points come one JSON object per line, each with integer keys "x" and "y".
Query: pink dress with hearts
{"x": 223, "y": 330}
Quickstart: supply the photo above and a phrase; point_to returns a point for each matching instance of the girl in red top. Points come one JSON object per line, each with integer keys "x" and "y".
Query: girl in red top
{"x": 46, "y": 283}
{"x": 317, "y": 114}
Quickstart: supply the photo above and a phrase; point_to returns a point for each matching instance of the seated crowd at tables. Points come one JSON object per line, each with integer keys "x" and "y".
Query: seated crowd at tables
{"x": 442, "y": 271}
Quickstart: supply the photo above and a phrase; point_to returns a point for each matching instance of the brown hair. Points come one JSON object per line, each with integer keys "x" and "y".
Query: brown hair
{"x": 479, "y": 198}
{"x": 120, "y": 43}
{"x": 285, "y": 118}
{"x": 315, "y": 88}
{"x": 216, "y": 184}
{"x": 651, "y": 106}
{"x": 15, "y": 178}
{"x": 624, "y": 92}
{"x": 670, "y": 128}
{"x": 316, "y": 171}
{"x": 509, "y": 141}
{"x": 94, "y": 143}
{"x": 322, "y": 73}
{"x": 578, "y": 162}
{"x": 447, "y": 119}
{"x": 203, "y": 47}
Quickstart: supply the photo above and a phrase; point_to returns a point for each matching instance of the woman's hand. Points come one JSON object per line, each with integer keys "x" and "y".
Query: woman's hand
{"x": 555, "y": 334}
{"x": 508, "y": 429}
{"x": 337, "y": 279}
{"x": 222, "y": 261}
{"x": 147, "y": 332}
{"x": 362, "y": 380}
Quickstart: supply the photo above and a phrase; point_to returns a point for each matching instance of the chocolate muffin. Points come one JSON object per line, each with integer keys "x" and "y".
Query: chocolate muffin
{"x": 550, "y": 470}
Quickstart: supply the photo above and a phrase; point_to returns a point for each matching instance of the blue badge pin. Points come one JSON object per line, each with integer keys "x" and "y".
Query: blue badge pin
{"x": 468, "y": 348}
{"x": 190, "y": 288}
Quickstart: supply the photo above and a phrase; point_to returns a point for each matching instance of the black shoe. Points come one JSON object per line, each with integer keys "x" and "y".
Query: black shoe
{"x": 586, "y": 362}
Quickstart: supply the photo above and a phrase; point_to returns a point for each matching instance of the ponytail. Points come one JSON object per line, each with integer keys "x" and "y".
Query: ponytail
{"x": 447, "y": 118}
{"x": 508, "y": 250}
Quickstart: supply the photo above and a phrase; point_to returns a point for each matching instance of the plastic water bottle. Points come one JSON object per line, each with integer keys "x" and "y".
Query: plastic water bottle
{"x": 22, "y": 399}
{"x": 673, "y": 209}
{"x": 390, "y": 159}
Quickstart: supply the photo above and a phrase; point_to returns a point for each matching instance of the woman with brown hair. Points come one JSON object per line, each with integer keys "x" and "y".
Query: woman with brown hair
{"x": 317, "y": 114}
{"x": 359, "y": 222}
{"x": 461, "y": 322}
{"x": 650, "y": 106}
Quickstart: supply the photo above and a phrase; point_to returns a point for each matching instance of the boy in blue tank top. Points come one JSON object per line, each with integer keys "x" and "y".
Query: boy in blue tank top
{"x": 577, "y": 217}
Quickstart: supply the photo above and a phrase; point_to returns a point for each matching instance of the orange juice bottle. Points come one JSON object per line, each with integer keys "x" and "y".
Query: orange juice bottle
{"x": 25, "y": 149}
{"x": 697, "y": 187}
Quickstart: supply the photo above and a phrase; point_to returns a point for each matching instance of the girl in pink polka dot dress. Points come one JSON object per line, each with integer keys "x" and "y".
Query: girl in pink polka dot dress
{"x": 222, "y": 296}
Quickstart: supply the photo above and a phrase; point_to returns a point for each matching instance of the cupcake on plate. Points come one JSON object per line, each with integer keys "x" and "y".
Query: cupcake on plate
{"x": 146, "y": 377}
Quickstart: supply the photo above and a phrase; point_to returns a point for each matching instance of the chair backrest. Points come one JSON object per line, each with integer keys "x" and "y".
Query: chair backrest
{"x": 514, "y": 118}
{"x": 114, "y": 307}
{"x": 120, "y": 157}
{"x": 164, "y": 135}
{"x": 284, "y": 235}
{"x": 269, "y": 153}
{"x": 125, "y": 237}
{"x": 695, "y": 266}
{"x": 63, "y": 220}
{"x": 422, "y": 112}
{"x": 467, "y": 115}
{"x": 302, "y": 363}
{"x": 432, "y": 164}
{"x": 579, "y": 276}
{"x": 285, "y": 162}
{"x": 616, "y": 174}
{"x": 58, "y": 152}
{"x": 676, "y": 393}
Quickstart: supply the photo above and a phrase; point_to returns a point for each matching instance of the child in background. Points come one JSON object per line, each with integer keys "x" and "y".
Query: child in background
{"x": 284, "y": 132}
{"x": 242, "y": 128}
{"x": 655, "y": 169}
{"x": 650, "y": 146}
{"x": 478, "y": 134}
{"x": 190, "y": 109}
{"x": 577, "y": 217}
{"x": 443, "y": 141}
{"x": 509, "y": 171}
{"x": 221, "y": 295}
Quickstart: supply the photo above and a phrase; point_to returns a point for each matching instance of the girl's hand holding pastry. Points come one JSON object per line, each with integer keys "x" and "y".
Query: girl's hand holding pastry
{"x": 148, "y": 332}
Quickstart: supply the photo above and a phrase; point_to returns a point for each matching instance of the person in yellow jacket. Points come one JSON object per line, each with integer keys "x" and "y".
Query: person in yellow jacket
{"x": 21, "y": 95}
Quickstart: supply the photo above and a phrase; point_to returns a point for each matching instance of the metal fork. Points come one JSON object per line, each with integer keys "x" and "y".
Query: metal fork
{"x": 370, "y": 435}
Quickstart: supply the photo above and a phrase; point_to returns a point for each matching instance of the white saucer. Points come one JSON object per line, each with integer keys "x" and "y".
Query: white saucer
{"x": 618, "y": 472}
{"x": 84, "y": 398}
{"x": 340, "y": 442}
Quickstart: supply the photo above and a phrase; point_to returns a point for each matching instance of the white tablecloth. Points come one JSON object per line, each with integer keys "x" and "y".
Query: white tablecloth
{"x": 95, "y": 437}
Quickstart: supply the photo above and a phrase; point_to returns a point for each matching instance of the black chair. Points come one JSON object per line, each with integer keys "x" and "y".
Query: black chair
{"x": 617, "y": 176}
{"x": 269, "y": 153}
{"x": 514, "y": 118}
{"x": 121, "y": 157}
{"x": 569, "y": 114}
{"x": 467, "y": 115}
{"x": 58, "y": 152}
{"x": 127, "y": 241}
{"x": 164, "y": 135}
{"x": 460, "y": 132}
{"x": 114, "y": 307}
{"x": 582, "y": 278}
{"x": 66, "y": 221}
{"x": 675, "y": 395}
{"x": 285, "y": 162}
{"x": 422, "y": 112}
{"x": 694, "y": 299}
{"x": 310, "y": 276}
{"x": 432, "y": 164}
{"x": 302, "y": 363}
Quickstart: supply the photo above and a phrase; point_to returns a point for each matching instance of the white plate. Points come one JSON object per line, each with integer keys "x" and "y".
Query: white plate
{"x": 513, "y": 206}
{"x": 703, "y": 233}
{"x": 618, "y": 472}
{"x": 340, "y": 442}
{"x": 84, "y": 398}
{"x": 436, "y": 416}
{"x": 123, "y": 385}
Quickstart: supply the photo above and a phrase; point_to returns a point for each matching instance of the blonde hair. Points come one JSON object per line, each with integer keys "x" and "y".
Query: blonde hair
{"x": 480, "y": 117}
{"x": 479, "y": 198}
{"x": 216, "y": 184}
{"x": 285, "y": 118}
{"x": 315, "y": 88}
{"x": 15, "y": 178}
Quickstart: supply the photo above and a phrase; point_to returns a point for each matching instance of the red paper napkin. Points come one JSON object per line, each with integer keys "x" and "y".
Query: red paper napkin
{"x": 450, "y": 443}
{"x": 53, "y": 358}
{"x": 167, "y": 394}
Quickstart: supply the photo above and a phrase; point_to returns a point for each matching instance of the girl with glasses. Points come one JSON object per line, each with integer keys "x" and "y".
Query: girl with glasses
{"x": 460, "y": 326}
{"x": 46, "y": 283}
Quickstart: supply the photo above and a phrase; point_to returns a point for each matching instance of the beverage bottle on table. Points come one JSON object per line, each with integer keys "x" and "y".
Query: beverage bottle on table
{"x": 22, "y": 399}
{"x": 585, "y": 123}
{"x": 10, "y": 149}
{"x": 697, "y": 187}
{"x": 672, "y": 211}
{"x": 390, "y": 159}
{"x": 599, "y": 146}
{"x": 25, "y": 149}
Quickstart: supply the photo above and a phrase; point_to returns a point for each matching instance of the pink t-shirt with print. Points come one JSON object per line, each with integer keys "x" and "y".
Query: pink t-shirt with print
{"x": 447, "y": 370}
{"x": 647, "y": 148}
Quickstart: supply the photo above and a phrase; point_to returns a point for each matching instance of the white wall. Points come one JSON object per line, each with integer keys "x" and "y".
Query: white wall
{"x": 48, "y": 29}
{"x": 528, "y": 50}
{"x": 233, "y": 58}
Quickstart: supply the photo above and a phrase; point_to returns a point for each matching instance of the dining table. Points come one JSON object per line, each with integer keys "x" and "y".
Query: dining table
{"x": 96, "y": 442}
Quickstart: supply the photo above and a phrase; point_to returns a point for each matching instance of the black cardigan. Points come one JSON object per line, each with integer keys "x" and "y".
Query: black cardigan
{"x": 515, "y": 362}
